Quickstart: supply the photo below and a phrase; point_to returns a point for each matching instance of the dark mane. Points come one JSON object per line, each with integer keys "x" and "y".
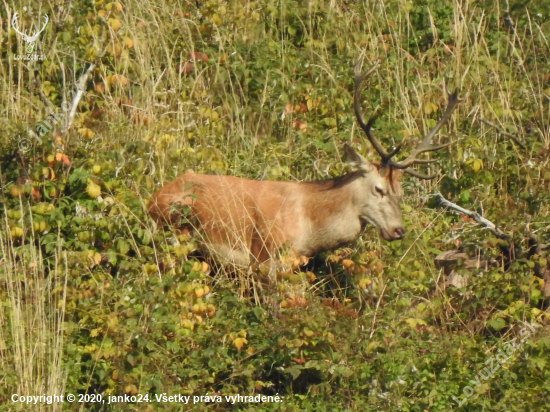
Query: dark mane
{"x": 336, "y": 182}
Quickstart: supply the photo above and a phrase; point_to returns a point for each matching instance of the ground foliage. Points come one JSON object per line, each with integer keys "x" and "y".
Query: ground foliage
{"x": 95, "y": 299}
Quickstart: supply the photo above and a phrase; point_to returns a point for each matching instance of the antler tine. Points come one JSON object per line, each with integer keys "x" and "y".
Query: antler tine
{"x": 426, "y": 144}
{"x": 359, "y": 78}
{"x": 395, "y": 150}
{"x": 425, "y": 161}
{"x": 401, "y": 165}
{"x": 419, "y": 175}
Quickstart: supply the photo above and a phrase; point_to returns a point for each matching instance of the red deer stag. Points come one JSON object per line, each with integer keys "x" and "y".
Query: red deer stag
{"x": 245, "y": 221}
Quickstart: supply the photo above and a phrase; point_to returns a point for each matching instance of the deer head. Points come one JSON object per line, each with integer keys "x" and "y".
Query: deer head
{"x": 379, "y": 203}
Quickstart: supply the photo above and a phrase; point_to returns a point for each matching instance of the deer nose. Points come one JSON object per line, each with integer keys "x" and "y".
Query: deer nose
{"x": 399, "y": 233}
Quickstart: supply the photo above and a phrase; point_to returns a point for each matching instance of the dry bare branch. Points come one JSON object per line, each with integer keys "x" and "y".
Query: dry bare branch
{"x": 474, "y": 215}
{"x": 502, "y": 132}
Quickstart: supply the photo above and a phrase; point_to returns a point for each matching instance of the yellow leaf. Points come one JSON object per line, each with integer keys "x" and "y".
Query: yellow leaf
{"x": 364, "y": 282}
{"x": 216, "y": 19}
{"x": 414, "y": 322}
{"x": 477, "y": 165}
{"x": 112, "y": 322}
{"x": 411, "y": 322}
{"x": 187, "y": 324}
{"x": 181, "y": 250}
{"x": 430, "y": 108}
{"x": 87, "y": 133}
{"x": 93, "y": 190}
{"x": 114, "y": 49}
{"x": 115, "y": 24}
{"x": 128, "y": 42}
{"x": 150, "y": 268}
{"x": 211, "y": 309}
{"x": 115, "y": 6}
{"x": 96, "y": 259}
{"x": 16, "y": 232}
{"x": 131, "y": 389}
{"x": 239, "y": 343}
{"x": 95, "y": 332}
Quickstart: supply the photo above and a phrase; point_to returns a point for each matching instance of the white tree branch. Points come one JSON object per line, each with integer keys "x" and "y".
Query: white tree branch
{"x": 81, "y": 89}
{"x": 474, "y": 215}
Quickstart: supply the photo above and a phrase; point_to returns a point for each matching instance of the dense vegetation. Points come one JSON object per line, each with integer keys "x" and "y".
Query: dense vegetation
{"x": 96, "y": 299}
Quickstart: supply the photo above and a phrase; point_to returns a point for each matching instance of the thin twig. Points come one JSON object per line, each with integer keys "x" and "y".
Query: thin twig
{"x": 376, "y": 310}
{"x": 38, "y": 87}
{"x": 418, "y": 237}
{"x": 502, "y": 132}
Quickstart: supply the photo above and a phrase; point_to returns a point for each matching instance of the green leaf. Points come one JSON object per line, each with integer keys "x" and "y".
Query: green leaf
{"x": 123, "y": 246}
{"x": 112, "y": 256}
{"x": 465, "y": 196}
{"x": 294, "y": 370}
{"x": 497, "y": 324}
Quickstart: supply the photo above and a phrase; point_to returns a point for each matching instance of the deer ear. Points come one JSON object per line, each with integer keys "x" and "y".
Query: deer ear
{"x": 356, "y": 160}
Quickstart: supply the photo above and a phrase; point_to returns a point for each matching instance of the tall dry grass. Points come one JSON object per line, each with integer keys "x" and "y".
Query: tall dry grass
{"x": 32, "y": 323}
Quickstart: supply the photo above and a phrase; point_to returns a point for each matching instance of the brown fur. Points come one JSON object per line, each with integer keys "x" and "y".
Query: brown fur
{"x": 246, "y": 221}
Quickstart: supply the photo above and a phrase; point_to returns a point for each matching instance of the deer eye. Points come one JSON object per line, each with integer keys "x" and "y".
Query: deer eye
{"x": 379, "y": 191}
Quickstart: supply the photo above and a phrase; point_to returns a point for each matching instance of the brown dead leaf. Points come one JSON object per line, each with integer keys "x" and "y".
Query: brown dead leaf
{"x": 186, "y": 68}
{"x": 300, "y": 125}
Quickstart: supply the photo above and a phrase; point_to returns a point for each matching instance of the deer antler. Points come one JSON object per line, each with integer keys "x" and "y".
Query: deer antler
{"x": 359, "y": 78}
{"x": 425, "y": 145}
{"x": 26, "y": 37}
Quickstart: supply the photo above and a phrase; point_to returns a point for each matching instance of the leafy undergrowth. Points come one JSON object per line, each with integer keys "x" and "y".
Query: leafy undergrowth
{"x": 95, "y": 299}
